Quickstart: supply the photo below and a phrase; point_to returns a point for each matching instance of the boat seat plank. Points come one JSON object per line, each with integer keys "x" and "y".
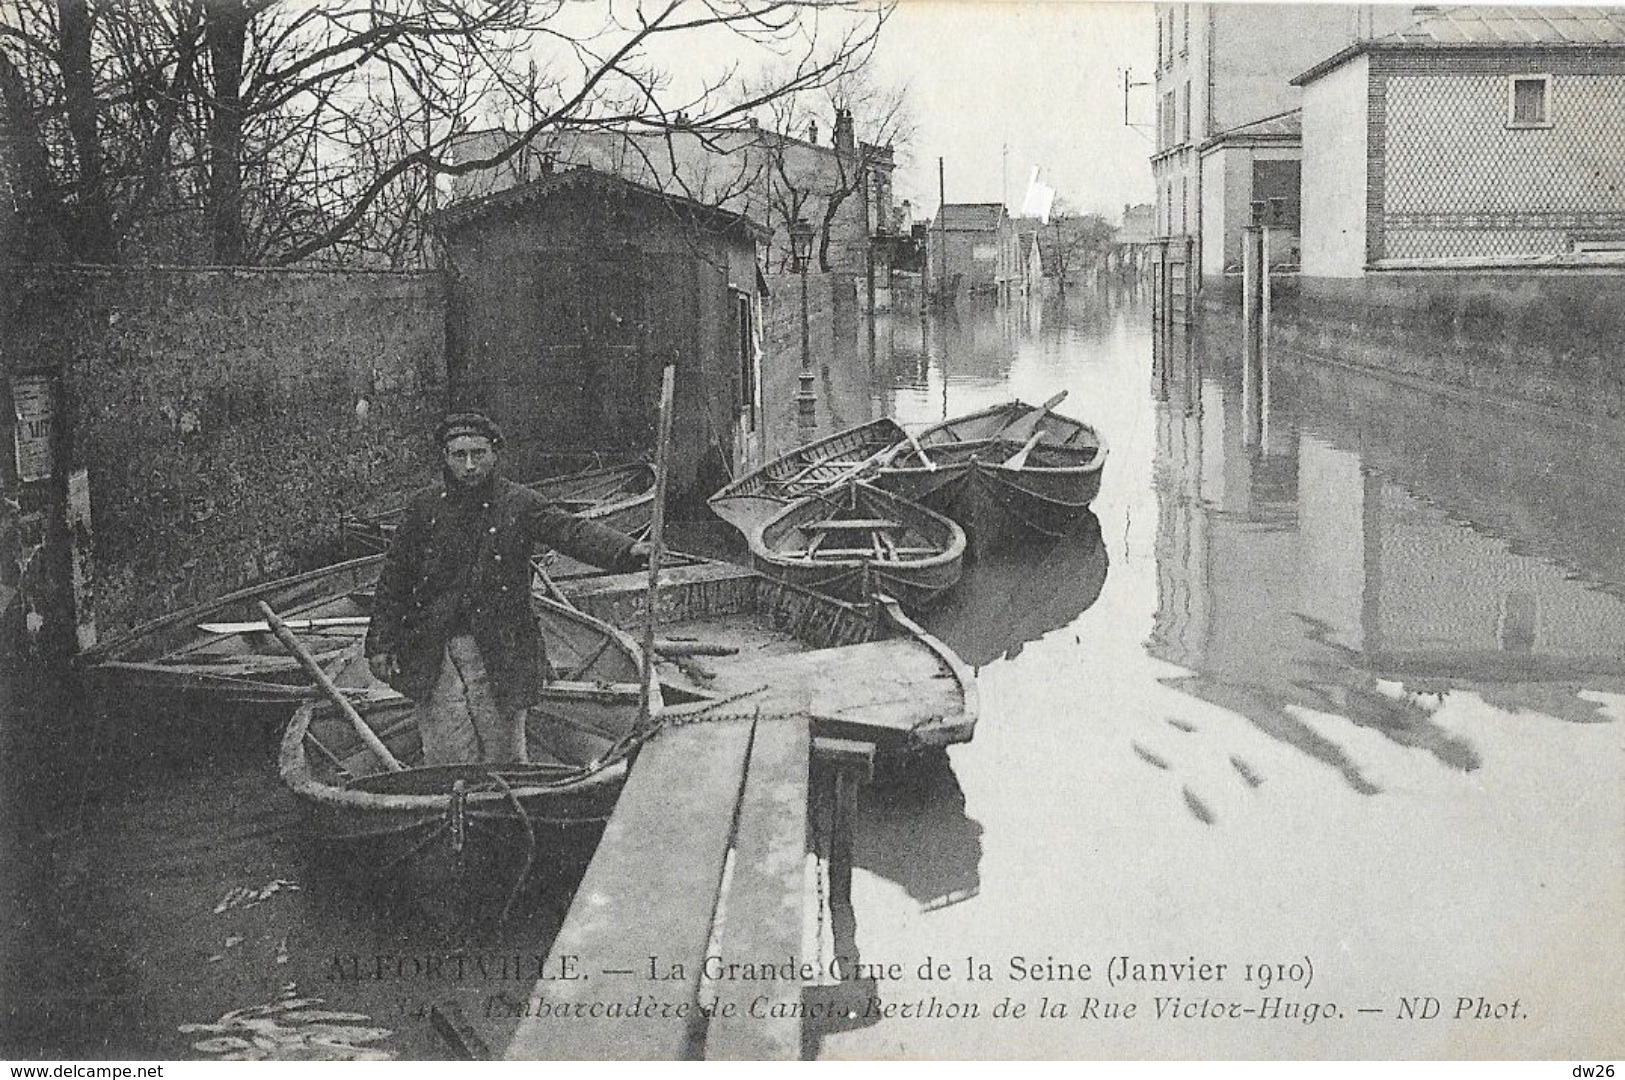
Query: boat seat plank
{"x": 763, "y": 912}
{"x": 856, "y": 552}
{"x": 857, "y": 523}
{"x": 651, "y": 890}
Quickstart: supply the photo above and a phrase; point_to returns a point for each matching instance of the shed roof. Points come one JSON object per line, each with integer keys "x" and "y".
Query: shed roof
{"x": 1498, "y": 26}
{"x": 971, "y": 217}
{"x": 513, "y": 199}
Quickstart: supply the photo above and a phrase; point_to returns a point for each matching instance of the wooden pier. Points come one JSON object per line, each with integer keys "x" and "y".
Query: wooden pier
{"x": 705, "y": 855}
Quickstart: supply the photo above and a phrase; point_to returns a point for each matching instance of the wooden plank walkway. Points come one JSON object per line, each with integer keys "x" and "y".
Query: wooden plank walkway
{"x": 661, "y": 892}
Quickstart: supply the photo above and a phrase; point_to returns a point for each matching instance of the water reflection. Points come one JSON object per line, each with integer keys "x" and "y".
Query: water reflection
{"x": 1009, "y": 597}
{"x": 1319, "y": 552}
{"x": 913, "y": 830}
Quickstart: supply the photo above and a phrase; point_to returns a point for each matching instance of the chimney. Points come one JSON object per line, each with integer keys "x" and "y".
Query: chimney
{"x": 843, "y": 130}
{"x": 812, "y": 132}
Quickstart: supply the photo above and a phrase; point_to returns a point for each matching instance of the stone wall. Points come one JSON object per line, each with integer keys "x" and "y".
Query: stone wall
{"x": 227, "y": 416}
{"x": 835, "y": 336}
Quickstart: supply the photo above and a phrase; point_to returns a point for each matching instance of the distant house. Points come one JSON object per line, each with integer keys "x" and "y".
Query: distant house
{"x": 1139, "y": 225}
{"x": 767, "y": 176}
{"x": 568, "y": 295}
{"x": 1477, "y": 136}
{"x": 1250, "y": 175}
{"x": 973, "y": 247}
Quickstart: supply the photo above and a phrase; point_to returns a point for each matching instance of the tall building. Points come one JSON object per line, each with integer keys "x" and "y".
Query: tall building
{"x": 1225, "y": 129}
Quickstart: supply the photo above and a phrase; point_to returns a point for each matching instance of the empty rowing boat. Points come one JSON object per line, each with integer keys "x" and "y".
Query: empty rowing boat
{"x": 241, "y": 662}
{"x": 620, "y": 496}
{"x": 757, "y": 497}
{"x": 856, "y": 542}
{"x": 1010, "y": 471}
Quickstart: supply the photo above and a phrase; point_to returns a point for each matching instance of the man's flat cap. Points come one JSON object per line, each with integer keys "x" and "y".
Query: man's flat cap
{"x": 459, "y": 424}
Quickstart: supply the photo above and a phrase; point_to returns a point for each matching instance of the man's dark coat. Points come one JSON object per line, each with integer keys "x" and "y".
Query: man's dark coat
{"x": 461, "y": 563}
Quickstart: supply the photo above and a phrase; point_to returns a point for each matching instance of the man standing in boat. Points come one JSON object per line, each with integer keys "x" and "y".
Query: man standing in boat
{"x": 452, "y": 626}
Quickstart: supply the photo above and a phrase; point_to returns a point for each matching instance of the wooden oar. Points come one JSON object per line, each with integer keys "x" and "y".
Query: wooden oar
{"x": 292, "y": 624}
{"x": 308, "y": 662}
{"x": 657, "y": 535}
{"x": 930, "y": 466}
{"x": 1019, "y": 458}
{"x": 1029, "y": 420}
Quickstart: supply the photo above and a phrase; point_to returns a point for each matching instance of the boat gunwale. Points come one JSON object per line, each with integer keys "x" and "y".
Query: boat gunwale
{"x": 955, "y": 550}
{"x": 750, "y": 484}
{"x": 376, "y": 517}
{"x": 117, "y": 648}
{"x": 296, "y": 773}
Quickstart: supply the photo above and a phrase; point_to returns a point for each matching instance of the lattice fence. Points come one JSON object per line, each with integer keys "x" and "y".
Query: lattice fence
{"x": 1460, "y": 182}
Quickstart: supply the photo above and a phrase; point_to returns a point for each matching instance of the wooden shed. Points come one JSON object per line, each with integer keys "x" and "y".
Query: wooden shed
{"x": 568, "y": 296}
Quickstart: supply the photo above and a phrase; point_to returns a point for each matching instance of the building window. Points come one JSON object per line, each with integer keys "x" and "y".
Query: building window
{"x": 1185, "y": 114}
{"x": 1160, "y": 45}
{"x": 1529, "y": 101}
{"x": 1185, "y": 41}
{"x": 1169, "y": 116}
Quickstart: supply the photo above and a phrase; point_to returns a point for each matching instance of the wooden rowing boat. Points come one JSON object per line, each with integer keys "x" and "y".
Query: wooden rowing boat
{"x": 756, "y": 497}
{"x": 856, "y": 541}
{"x": 220, "y": 652}
{"x": 481, "y": 825}
{"x": 755, "y": 644}
{"x": 620, "y": 496}
{"x": 173, "y": 656}
{"x": 1004, "y": 473}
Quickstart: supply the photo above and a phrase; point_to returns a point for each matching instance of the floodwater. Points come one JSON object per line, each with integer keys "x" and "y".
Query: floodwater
{"x": 1314, "y": 730}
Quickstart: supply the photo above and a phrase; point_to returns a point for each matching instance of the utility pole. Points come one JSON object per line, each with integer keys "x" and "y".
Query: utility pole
{"x": 942, "y": 233}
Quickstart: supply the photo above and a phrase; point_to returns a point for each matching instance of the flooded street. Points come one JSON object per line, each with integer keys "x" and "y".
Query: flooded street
{"x": 1337, "y": 696}
{"x": 1321, "y": 715}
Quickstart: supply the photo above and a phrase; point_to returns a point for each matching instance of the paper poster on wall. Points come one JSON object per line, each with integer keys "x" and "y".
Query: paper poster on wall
{"x": 31, "y": 401}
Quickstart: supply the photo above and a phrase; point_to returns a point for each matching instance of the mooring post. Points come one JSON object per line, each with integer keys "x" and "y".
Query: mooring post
{"x": 1191, "y": 280}
{"x": 851, "y": 764}
{"x": 1251, "y": 281}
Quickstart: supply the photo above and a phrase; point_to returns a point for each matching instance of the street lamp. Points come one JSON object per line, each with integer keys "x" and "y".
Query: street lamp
{"x": 801, "y": 238}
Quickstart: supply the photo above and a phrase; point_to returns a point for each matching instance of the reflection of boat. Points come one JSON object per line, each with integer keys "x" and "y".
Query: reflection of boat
{"x": 856, "y": 541}
{"x": 327, "y": 608}
{"x": 1002, "y": 473}
{"x": 476, "y": 817}
{"x": 620, "y": 496}
{"x": 756, "y": 644}
{"x": 914, "y": 831}
{"x": 1008, "y": 598}
{"x": 756, "y": 497}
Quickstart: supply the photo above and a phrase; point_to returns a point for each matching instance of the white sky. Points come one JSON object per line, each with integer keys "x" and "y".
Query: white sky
{"x": 1044, "y": 79}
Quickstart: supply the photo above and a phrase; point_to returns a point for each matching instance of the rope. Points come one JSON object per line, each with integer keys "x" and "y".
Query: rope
{"x": 530, "y": 848}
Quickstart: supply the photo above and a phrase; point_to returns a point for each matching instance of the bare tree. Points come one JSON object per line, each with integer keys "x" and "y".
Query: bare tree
{"x": 277, "y": 131}
{"x": 1073, "y": 240}
{"x": 868, "y": 125}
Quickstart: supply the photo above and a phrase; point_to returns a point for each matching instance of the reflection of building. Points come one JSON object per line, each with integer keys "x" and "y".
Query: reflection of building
{"x": 1476, "y": 135}
{"x": 1294, "y": 572}
{"x": 569, "y": 294}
